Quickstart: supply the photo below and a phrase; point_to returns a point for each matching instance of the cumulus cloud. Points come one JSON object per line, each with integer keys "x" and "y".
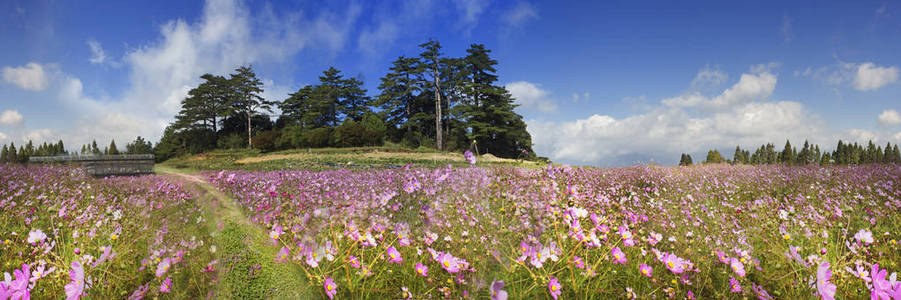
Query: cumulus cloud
{"x": 11, "y": 117}
{"x": 890, "y": 117}
{"x": 530, "y": 97}
{"x": 664, "y": 131}
{"x": 708, "y": 77}
{"x": 97, "y": 55}
{"x": 871, "y": 77}
{"x": 29, "y": 77}
{"x": 522, "y": 12}
{"x": 756, "y": 85}
{"x": 2, "y": 136}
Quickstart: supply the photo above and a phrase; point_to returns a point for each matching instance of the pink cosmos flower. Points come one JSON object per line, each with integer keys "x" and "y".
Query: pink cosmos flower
{"x": 282, "y": 255}
{"x": 496, "y": 290}
{"x": 36, "y": 236}
{"x": 737, "y": 266}
{"x": 166, "y": 286}
{"x": 469, "y": 157}
{"x": 626, "y": 235}
{"x": 75, "y": 289}
{"x": 331, "y": 288}
{"x": 16, "y": 289}
{"x": 674, "y": 263}
{"x": 449, "y": 262}
{"x": 107, "y": 254}
{"x": 824, "y": 287}
{"x": 354, "y": 262}
{"x": 139, "y": 293}
{"x": 864, "y": 236}
{"x": 578, "y": 261}
{"x": 276, "y": 232}
{"x": 882, "y": 289}
{"x": 394, "y": 255}
{"x": 422, "y": 270}
{"x": 646, "y": 270}
{"x": 163, "y": 267}
{"x": 554, "y": 286}
{"x": 736, "y": 288}
{"x": 618, "y": 256}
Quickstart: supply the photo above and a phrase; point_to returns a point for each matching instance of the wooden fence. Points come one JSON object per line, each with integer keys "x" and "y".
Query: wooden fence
{"x": 104, "y": 165}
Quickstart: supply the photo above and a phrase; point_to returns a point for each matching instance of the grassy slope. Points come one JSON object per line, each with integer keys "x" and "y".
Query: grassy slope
{"x": 329, "y": 158}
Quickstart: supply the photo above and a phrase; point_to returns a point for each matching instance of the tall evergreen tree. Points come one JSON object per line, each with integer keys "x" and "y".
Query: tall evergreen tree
{"x": 206, "y": 104}
{"x": 787, "y": 154}
{"x": 246, "y": 99}
{"x": 113, "y": 150}
{"x": 434, "y": 68}
{"x": 354, "y": 103}
{"x": 4, "y": 155}
{"x": 399, "y": 89}
{"x": 13, "y": 157}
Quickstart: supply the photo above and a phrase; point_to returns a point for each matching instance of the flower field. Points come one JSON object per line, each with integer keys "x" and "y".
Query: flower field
{"x": 65, "y": 234}
{"x": 641, "y": 232}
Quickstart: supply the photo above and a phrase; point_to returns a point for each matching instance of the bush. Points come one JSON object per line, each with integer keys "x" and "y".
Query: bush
{"x": 266, "y": 141}
{"x": 349, "y": 134}
{"x": 317, "y": 138}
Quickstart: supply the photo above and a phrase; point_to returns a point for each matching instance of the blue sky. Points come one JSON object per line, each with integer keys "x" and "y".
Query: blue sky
{"x": 599, "y": 83}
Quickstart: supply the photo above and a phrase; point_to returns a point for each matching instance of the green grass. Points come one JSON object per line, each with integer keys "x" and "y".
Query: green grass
{"x": 328, "y": 159}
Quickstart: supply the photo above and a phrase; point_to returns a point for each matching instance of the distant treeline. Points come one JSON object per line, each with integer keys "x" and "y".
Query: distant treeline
{"x": 428, "y": 100}
{"x": 844, "y": 153}
{"x": 9, "y": 153}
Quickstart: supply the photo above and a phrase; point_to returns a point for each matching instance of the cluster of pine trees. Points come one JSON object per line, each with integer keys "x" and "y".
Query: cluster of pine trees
{"x": 844, "y": 153}
{"x": 138, "y": 146}
{"x": 9, "y": 154}
{"x": 428, "y": 100}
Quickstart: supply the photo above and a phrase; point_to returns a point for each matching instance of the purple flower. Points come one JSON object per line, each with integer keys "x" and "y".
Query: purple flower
{"x": 882, "y": 289}
{"x": 554, "y": 287}
{"x": 139, "y": 293}
{"x": 626, "y": 235}
{"x": 354, "y": 262}
{"x": 496, "y": 290}
{"x": 646, "y": 270}
{"x": 16, "y": 289}
{"x": 824, "y": 287}
{"x": 422, "y": 270}
{"x": 394, "y": 255}
{"x": 36, "y": 236}
{"x": 864, "y": 236}
{"x": 166, "y": 286}
{"x": 449, "y": 262}
{"x": 736, "y": 288}
{"x": 331, "y": 288}
{"x": 163, "y": 267}
{"x": 105, "y": 256}
{"x": 618, "y": 255}
{"x": 469, "y": 157}
{"x": 674, "y": 263}
{"x": 737, "y": 266}
{"x": 282, "y": 255}
{"x": 578, "y": 261}
{"x": 75, "y": 288}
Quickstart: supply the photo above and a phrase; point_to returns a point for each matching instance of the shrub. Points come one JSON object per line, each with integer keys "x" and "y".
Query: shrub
{"x": 266, "y": 141}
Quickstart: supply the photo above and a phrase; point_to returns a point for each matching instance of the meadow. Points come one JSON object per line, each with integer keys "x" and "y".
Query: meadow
{"x": 457, "y": 231}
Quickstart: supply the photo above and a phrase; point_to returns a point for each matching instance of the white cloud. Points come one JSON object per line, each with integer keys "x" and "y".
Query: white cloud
{"x": 871, "y": 77}
{"x": 581, "y": 97}
{"x": 756, "y": 85}
{"x": 470, "y": 10}
{"x": 97, "y": 55}
{"x": 2, "y": 136}
{"x": 373, "y": 41}
{"x": 530, "y": 97}
{"x": 29, "y": 77}
{"x": 522, "y": 12}
{"x": 787, "y": 34}
{"x": 664, "y": 131}
{"x": 11, "y": 117}
{"x": 708, "y": 77}
{"x": 890, "y": 117}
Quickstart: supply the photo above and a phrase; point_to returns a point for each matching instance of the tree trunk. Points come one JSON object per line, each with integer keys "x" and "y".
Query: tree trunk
{"x": 438, "y": 138}
{"x": 249, "y": 140}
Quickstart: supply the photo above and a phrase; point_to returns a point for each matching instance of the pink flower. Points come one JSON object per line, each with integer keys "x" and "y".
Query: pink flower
{"x": 737, "y": 266}
{"x": 578, "y": 261}
{"x": 674, "y": 263}
{"x": 105, "y": 256}
{"x": 449, "y": 262}
{"x": 394, "y": 255}
{"x": 282, "y": 255}
{"x": 354, "y": 262}
{"x": 139, "y": 293}
{"x": 469, "y": 157}
{"x": 166, "y": 286}
{"x": 626, "y": 235}
{"x": 736, "y": 288}
{"x": 276, "y": 232}
{"x": 75, "y": 289}
{"x": 496, "y": 290}
{"x": 554, "y": 287}
{"x": 618, "y": 256}
{"x": 163, "y": 267}
{"x": 646, "y": 270}
{"x": 882, "y": 289}
{"x": 864, "y": 236}
{"x": 824, "y": 287}
{"x": 422, "y": 270}
{"x": 36, "y": 236}
{"x": 331, "y": 288}
{"x": 16, "y": 289}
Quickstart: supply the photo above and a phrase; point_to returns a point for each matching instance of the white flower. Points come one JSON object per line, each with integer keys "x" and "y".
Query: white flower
{"x": 36, "y": 236}
{"x": 864, "y": 236}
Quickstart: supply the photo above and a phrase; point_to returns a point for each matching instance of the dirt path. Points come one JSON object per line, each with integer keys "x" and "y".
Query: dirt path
{"x": 247, "y": 268}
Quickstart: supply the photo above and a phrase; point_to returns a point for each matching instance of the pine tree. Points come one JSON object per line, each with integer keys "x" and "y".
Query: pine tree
{"x": 112, "y": 148}
{"x": 4, "y": 155}
{"x": 399, "y": 90}
{"x": 354, "y": 103}
{"x": 94, "y": 149}
{"x": 434, "y": 69}
{"x": 787, "y": 155}
{"x": 246, "y": 100}
{"x": 13, "y": 156}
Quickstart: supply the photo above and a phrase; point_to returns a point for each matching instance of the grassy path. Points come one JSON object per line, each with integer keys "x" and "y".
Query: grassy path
{"x": 246, "y": 269}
